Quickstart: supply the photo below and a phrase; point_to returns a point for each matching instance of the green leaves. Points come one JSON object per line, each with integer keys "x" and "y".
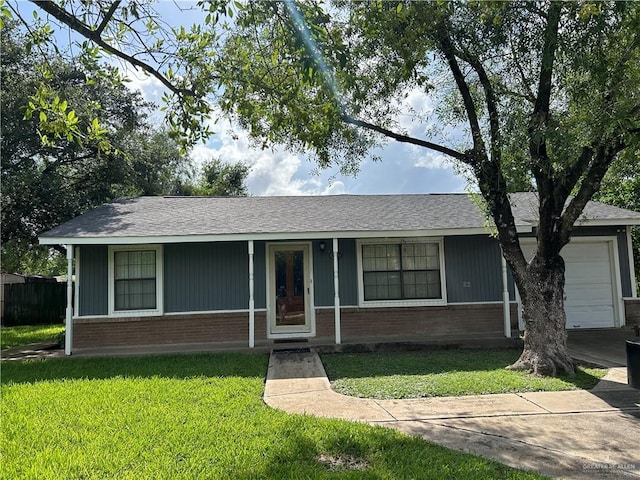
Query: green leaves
{"x": 57, "y": 121}
{"x": 5, "y": 14}
{"x": 72, "y": 144}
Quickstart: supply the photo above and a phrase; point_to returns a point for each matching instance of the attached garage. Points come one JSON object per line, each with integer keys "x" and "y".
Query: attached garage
{"x": 591, "y": 291}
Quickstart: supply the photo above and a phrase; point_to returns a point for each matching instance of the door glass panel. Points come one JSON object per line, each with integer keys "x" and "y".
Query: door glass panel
{"x": 290, "y": 289}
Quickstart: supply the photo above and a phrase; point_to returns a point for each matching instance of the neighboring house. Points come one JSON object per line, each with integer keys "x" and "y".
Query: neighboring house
{"x": 11, "y": 278}
{"x": 255, "y": 270}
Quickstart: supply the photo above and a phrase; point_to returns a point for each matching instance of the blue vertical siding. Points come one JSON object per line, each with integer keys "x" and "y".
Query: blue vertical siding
{"x": 348, "y": 272}
{"x": 623, "y": 258}
{"x": 93, "y": 288}
{"x": 214, "y": 276}
{"x": 259, "y": 275}
{"x": 473, "y": 269}
{"x": 323, "y": 273}
{"x": 206, "y": 276}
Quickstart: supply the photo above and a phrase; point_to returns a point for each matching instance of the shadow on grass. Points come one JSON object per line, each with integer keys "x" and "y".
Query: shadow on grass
{"x": 434, "y": 362}
{"x": 333, "y": 449}
{"x": 163, "y": 366}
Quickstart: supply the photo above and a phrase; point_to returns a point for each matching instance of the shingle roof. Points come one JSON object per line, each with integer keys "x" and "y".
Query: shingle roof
{"x": 224, "y": 216}
{"x": 525, "y": 209}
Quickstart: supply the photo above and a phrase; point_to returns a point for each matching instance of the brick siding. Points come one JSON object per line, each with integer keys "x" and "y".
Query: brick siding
{"x": 357, "y": 324}
{"x": 168, "y": 329}
{"x": 463, "y": 321}
{"x": 632, "y": 311}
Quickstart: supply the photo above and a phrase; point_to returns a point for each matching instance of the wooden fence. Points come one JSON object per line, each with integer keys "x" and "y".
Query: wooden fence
{"x": 33, "y": 303}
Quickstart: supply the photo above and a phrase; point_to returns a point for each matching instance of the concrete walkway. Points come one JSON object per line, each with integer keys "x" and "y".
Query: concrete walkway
{"x": 577, "y": 434}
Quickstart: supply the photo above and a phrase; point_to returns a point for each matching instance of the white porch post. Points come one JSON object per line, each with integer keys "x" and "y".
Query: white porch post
{"x": 505, "y": 298}
{"x": 336, "y": 289}
{"x": 252, "y": 313}
{"x": 68, "y": 334}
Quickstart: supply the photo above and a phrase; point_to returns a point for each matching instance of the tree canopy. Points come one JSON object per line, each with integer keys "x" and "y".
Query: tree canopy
{"x": 621, "y": 187}
{"x": 45, "y": 184}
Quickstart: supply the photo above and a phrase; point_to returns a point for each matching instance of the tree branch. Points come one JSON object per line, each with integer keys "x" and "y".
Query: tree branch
{"x": 492, "y": 183}
{"x": 604, "y": 157}
{"x": 32, "y": 34}
{"x": 463, "y": 88}
{"x": 550, "y": 208}
{"x": 404, "y": 138}
{"x": 107, "y": 17}
{"x": 570, "y": 179}
{"x": 94, "y": 35}
{"x": 492, "y": 104}
{"x": 543, "y": 97}
{"x": 540, "y": 166}
{"x": 523, "y": 78}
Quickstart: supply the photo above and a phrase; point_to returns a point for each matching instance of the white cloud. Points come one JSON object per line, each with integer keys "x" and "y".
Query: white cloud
{"x": 335, "y": 188}
{"x": 150, "y": 87}
{"x": 433, "y": 161}
{"x": 272, "y": 171}
{"x": 416, "y": 106}
{"x": 201, "y": 154}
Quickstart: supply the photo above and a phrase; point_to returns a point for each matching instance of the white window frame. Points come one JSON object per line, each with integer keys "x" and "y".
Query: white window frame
{"x": 159, "y": 282}
{"x": 401, "y": 303}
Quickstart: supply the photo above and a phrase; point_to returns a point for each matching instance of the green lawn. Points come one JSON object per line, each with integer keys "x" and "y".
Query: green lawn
{"x": 192, "y": 417}
{"x": 14, "y": 336}
{"x": 437, "y": 373}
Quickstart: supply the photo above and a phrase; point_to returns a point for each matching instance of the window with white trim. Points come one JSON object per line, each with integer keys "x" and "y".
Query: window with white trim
{"x": 135, "y": 280}
{"x": 401, "y": 271}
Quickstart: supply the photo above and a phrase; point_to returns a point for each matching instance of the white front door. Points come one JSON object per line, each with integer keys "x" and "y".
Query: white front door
{"x": 290, "y": 304}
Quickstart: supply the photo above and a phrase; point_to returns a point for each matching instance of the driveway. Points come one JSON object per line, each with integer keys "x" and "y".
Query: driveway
{"x": 601, "y": 347}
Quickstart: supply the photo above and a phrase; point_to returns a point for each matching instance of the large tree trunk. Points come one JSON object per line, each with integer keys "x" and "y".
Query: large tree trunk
{"x": 545, "y": 338}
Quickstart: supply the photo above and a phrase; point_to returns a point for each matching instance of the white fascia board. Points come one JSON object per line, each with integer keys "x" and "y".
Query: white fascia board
{"x": 607, "y": 222}
{"x": 598, "y": 222}
{"x": 124, "y": 240}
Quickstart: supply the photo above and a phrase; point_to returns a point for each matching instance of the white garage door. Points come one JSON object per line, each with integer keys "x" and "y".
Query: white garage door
{"x": 589, "y": 287}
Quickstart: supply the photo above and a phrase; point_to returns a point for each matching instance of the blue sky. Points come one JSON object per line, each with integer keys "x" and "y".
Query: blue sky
{"x": 402, "y": 168}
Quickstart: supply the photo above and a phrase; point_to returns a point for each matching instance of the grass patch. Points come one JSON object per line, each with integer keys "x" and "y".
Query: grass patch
{"x": 23, "y": 335}
{"x": 194, "y": 416}
{"x": 437, "y": 373}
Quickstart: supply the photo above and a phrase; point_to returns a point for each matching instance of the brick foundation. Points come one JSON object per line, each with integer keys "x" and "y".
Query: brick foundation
{"x": 358, "y": 324}
{"x": 632, "y": 311}
{"x": 167, "y": 329}
{"x": 464, "y": 321}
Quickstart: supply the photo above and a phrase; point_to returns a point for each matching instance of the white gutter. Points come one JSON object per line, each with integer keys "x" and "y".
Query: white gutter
{"x": 632, "y": 270}
{"x": 252, "y": 310}
{"x": 505, "y": 298}
{"x": 68, "y": 334}
{"x": 336, "y": 288}
{"x": 243, "y": 237}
